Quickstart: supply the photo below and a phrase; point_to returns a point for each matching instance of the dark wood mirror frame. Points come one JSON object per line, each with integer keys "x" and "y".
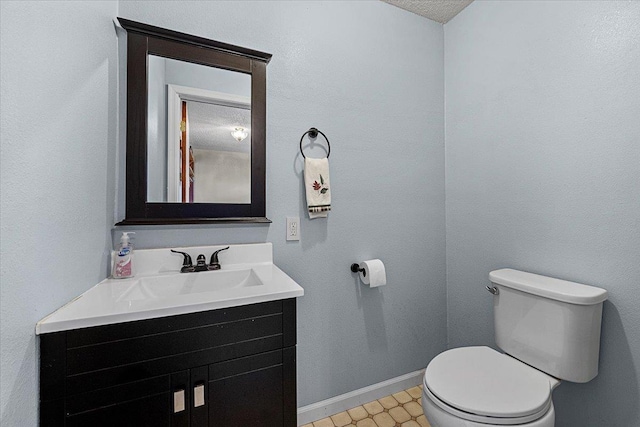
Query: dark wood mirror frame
{"x": 144, "y": 40}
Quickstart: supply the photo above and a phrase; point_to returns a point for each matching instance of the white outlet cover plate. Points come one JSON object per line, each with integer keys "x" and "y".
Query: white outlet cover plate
{"x": 293, "y": 228}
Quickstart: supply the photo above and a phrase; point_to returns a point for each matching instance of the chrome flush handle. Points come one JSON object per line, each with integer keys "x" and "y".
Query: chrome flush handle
{"x": 493, "y": 290}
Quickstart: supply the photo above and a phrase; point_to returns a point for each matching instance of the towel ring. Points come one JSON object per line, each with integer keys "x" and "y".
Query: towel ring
{"x": 313, "y": 133}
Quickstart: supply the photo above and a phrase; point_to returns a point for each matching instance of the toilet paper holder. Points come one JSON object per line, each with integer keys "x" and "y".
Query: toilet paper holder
{"x": 355, "y": 268}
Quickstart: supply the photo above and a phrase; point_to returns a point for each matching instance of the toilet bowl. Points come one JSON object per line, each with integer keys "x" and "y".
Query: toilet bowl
{"x": 549, "y": 329}
{"x": 480, "y": 387}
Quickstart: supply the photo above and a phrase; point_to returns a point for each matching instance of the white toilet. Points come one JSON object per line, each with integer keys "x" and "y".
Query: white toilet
{"x": 549, "y": 330}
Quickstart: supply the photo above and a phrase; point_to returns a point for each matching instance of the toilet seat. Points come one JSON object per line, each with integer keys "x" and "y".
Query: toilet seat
{"x": 482, "y": 385}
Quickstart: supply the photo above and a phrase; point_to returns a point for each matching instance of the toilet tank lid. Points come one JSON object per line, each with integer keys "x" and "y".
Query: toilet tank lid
{"x": 548, "y": 287}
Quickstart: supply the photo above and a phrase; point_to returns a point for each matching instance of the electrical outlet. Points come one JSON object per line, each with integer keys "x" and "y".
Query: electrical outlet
{"x": 293, "y": 228}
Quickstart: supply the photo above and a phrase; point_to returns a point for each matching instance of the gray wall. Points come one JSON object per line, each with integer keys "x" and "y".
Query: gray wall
{"x": 58, "y": 133}
{"x": 543, "y": 174}
{"x": 380, "y": 101}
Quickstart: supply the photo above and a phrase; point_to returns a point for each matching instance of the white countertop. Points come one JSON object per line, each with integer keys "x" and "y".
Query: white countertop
{"x": 108, "y": 302}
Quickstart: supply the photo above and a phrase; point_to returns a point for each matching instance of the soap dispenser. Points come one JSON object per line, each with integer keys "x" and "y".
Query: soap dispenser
{"x": 123, "y": 263}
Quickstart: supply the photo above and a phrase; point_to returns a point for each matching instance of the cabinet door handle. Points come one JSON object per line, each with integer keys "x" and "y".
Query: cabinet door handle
{"x": 198, "y": 395}
{"x": 178, "y": 401}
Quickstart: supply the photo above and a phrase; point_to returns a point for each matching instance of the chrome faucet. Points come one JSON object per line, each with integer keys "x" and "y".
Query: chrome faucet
{"x": 201, "y": 265}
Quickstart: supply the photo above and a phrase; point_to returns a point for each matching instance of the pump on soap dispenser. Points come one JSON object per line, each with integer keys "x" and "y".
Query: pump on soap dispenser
{"x": 123, "y": 263}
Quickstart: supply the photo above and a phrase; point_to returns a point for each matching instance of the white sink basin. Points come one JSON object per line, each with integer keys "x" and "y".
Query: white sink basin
{"x": 190, "y": 283}
{"x": 248, "y": 276}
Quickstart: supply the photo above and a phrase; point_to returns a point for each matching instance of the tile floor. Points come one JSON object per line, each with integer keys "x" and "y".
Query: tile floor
{"x": 402, "y": 409}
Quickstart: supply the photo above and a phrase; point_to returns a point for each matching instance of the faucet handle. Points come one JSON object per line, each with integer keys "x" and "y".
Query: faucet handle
{"x": 214, "y": 264}
{"x": 187, "y": 263}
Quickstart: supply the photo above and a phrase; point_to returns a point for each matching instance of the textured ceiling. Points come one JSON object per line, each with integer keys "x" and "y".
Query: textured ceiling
{"x": 210, "y": 126}
{"x": 436, "y": 10}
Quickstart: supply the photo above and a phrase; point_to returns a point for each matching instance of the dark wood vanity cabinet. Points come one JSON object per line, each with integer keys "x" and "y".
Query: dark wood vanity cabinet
{"x": 221, "y": 368}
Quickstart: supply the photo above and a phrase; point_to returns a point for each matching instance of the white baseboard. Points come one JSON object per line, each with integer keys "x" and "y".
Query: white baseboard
{"x": 324, "y": 408}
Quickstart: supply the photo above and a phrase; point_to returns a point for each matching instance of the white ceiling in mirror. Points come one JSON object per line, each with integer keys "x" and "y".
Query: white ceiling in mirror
{"x": 437, "y": 10}
{"x": 210, "y": 126}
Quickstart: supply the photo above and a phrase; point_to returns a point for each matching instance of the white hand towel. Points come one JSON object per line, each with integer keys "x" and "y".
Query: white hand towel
{"x": 318, "y": 188}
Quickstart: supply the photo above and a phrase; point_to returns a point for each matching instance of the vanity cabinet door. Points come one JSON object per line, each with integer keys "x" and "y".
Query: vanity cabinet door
{"x": 247, "y": 391}
{"x": 254, "y": 391}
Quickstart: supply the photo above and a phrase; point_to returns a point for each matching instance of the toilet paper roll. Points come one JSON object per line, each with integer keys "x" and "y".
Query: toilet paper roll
{"x": 374, "y": 273}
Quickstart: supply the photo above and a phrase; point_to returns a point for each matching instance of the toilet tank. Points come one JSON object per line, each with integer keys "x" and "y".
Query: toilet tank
{"x": 550, "y": 324}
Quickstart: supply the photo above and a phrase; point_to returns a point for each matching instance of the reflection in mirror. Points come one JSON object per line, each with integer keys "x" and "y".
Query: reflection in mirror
{"x": 220, "y": 165}
{"x": 199, "y": 128}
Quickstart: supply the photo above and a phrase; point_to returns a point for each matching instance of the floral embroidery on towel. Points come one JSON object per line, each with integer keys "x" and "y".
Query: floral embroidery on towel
{"x": 320, "y": 187}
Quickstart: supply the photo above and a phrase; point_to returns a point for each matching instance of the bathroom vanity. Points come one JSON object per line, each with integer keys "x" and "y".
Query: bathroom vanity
{"x": 216, "y": 348}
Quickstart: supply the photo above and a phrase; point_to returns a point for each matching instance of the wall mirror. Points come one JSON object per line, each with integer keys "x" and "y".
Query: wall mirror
{"x": 196, "y": 127}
